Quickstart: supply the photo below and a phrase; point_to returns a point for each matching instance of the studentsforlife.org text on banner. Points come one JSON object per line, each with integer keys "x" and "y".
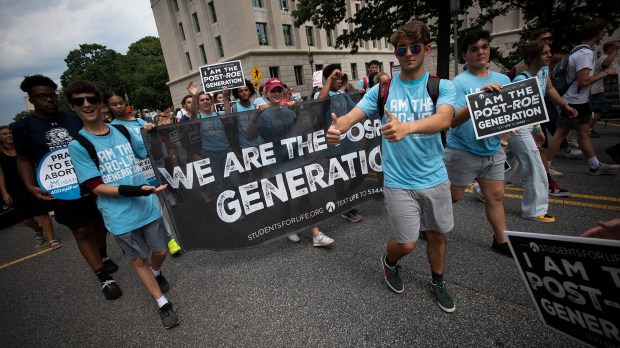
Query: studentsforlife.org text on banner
{"x": 245, "y": 178}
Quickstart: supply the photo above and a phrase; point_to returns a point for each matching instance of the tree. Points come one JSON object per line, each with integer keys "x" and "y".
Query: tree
{"x": 21, "y": 115}
{"x": 147, "y": 74}
{"x": 95, "y": 63}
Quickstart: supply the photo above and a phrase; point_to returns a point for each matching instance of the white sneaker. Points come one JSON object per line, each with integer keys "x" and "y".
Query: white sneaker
{"x": 574, "y": 144}
{"x": 321, "y": 240}
{"x": 573, "y": 154}
{"x": 293, "y": 238}
{"x": 476, "y": 188}
{"x": 555, "y": 173}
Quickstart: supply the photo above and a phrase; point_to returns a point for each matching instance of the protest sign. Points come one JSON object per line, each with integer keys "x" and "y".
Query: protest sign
{"x": 317, "y": 78}
{"x": 219, "y": 107}
{"x": 216, "y": 76}
{"x": 55, "y": 175}
{"x": 610, "y": 86}
{"x": 518, "y": 104}
{"x": 259, "y": 175}
{"x": 574, "y": 283}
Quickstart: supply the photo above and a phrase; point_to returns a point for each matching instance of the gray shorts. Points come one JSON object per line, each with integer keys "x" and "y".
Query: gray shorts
{"x": 412, "y": 211}
{"x": 140, "y": 243}
{"x": 463, "y": 167}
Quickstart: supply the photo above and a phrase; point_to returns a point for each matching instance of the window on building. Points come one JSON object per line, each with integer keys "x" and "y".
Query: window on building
{"x": 330, "y": 38}
{"x": 274, "y": 71}
{"x": 387, "y": 42}
{"x": 345, "y": 32}
{"x": 175, "y": 4}
{"x": 189, "y": 61}
{"x": 357, "y": 7}
{"x": 212, "y": 10}
{"x": 299, "y": 75}
{"x": 374, "y": 43}
{"x": 261, "y": 31}
{"x": 287, "y": 29}
{"x": 354, "y": 71}
{"x": 310, "y": 36}
{"x": 220, "y": 47}
{"x": 318, "y": 67}
{"x": 257, "y": 3}
{"x": 360, "y": 43}
{"x": 283, "y": 5}
{"x": 203, "y": 54}
{"x": 196, "y": 23}
{"x": 181, "y": 31}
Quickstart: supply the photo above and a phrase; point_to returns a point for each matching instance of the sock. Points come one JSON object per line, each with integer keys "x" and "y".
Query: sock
{"x": 161, "y": 301}
{"x": 593, "y": 162}
{"x": 103, "y": 252}
{"x": 103, "y": 275}
{"x": 390, "y": 263}
{"x": 155, "y": 273}
{"x": 437, "y": 278}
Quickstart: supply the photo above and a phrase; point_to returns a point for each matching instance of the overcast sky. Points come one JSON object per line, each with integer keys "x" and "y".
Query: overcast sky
{"x": 37, "y": 35}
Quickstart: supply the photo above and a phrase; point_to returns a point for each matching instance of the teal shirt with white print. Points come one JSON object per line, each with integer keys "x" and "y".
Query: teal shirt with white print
{"x": 135, "y": 126}
{"x": 118, "y": 165}
{"x": 415, "y": 162}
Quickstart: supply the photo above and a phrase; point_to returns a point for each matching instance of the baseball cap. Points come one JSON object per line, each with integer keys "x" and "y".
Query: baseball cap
{"x": 273, "y": 83}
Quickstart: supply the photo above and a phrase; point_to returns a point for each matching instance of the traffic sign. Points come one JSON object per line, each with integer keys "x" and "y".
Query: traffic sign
{"x": 256, "y": 85}
{"x": 256, "y": 73}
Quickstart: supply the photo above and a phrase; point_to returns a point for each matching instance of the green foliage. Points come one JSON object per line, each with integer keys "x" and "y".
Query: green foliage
{"x": 141, "y": 73}
{"x": 21, "y": 115}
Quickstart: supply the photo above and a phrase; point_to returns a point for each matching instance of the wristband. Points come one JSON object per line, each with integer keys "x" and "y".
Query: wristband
{"x": 564, "y": 105}
{"x": 133, "y": 191}
{"x": 536, "y": 129}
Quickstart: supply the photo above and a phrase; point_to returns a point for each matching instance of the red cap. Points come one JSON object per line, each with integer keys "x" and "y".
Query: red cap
{"x": 273, "y": 83}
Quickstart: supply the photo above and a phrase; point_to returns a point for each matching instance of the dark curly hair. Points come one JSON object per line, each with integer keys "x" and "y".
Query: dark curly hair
{"x": 36, "y": 80}
{"x": 249, "y": 85}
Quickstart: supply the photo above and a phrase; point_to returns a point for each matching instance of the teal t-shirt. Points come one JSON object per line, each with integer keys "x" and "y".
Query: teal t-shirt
{"x": 213, "y": 133}
{"x": 245, "y": 119}
{"x": 118, "y": 165}
{"x": 135, "y": 126}
{"x": 416, "y": 162}
{"x": 463, "y": 137}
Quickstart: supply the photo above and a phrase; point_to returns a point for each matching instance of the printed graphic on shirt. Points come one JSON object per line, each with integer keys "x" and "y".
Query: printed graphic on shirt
{"x": 57, "y": 137}
{"x": 117, "y": 162}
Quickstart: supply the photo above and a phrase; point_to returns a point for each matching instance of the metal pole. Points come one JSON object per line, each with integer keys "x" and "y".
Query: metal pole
{"x": 455, "y": 7}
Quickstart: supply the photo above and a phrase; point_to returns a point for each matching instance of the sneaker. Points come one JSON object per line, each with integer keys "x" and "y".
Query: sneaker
{"x": 39, "y": 236}
{"x": 168, "y": 316}
{"x": 444, "y": 300}
{"x": 573, "y": 154}
{"x": 556, "y": 191}
{"x": 604, "y": 169}
{"x": 574, "y": 144}
{"x": 321, "y": 240}
{"x": 164, "y": 286}
{"x": 476, "y": 188}
{"x": 352, "y": 216}
{"x": 555, "y": 173}
{"x": 501, "y": 248}
{"x": 173, "y": 246}
{"x": 293, "y": 238}
{"x": 392, "y": 276}
{"x": 541, "y": 218}
{"x": 109, "y": 266}
{"x": 111, "y": 290}
{"x": 40, "y": 245}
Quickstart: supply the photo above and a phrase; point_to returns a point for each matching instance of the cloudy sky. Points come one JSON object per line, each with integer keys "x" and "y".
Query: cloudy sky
{"x": 37, "y": 35}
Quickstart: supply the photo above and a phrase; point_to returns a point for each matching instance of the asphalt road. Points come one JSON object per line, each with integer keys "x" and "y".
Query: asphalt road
{"x": 293, "y": 295}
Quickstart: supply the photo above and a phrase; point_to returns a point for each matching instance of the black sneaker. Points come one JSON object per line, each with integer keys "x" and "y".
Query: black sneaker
{"x": 109, "y": 266}
{"x": 352, "y": 215}
{"x": 168, "y": 316}
{"x": 501, "y": 248}
{"x": 392, "y": 277}
{"x": 111, "y": 290}
{"x": 444, "y": 300}
{"x": 162, "y": 282}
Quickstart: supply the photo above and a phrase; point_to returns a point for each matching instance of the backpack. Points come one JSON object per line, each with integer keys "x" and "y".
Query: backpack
{"x": 559, "y": 75}
{"x": 365, "y": 79}
{"x": 432, "y": 88}
{"x": 90, "y": 148}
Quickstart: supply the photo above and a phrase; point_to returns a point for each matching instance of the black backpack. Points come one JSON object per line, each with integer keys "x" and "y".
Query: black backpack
{"x": 559, "y": 75}
{"x": 90, "y": 148}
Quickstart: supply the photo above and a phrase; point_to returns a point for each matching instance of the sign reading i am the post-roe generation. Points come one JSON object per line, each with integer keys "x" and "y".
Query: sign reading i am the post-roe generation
{"x": 518, "y": 104}
{"x": 574, "y": 283}
{"x": 215, "y": 77}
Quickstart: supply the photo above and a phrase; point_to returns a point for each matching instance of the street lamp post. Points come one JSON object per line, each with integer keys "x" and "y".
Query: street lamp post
{"x": 455, "y": 6}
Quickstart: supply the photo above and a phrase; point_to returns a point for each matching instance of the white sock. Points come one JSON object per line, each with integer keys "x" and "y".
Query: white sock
{"x": 155, "y": 273}
{"x": 593, "y": 162}
{"x": 161, "y": 301}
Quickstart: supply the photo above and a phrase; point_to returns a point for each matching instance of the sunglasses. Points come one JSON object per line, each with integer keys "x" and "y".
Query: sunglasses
{"x": 402, "y": 51}
{"x": 80, "y": 101}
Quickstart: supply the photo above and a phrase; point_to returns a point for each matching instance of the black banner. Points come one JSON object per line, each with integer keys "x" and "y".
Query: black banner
{"x": 610, "y": 87}
{"x": 519, "y": 104}
{"x": 215, "y": 76}
{"x": 574, "y": 282}
{"x": 249, "y": 177}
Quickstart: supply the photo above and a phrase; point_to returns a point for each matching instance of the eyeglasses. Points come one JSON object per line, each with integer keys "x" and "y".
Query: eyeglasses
{"x": 45, "y": 97}
{"x": 402, "y": 51}
{"x": 547, "y": 38}
{"x": 80, "y": 101}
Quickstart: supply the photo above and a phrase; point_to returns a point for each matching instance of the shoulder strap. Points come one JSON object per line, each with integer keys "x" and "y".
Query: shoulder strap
{"x": 123, "y": 130}
{"x": 365, "y": 79}
{"x": 524, "y": 73}
{"x": 384, "y": 90}
{"x": 89, "y": 147}
{"x": 432, "y": 87}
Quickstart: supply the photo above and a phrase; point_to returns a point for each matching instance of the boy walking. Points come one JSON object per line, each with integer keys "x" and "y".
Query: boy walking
{"x": 126, "y": 201}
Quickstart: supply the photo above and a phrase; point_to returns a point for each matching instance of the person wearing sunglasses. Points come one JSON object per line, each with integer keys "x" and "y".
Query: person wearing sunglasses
{"x": 416, "y": 188}
{"x": 124, "y": 197}
{"x": 468, "y": 158}
{"x": 35, "y": 136}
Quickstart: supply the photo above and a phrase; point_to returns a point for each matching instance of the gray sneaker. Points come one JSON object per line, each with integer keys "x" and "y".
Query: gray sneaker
{"x": 604, "y": 169}
{"x": 168, "y": 316}
{"x": 321, "y": 240}
{"x": 392, "y": 276}
{"x": 444, "y": 300}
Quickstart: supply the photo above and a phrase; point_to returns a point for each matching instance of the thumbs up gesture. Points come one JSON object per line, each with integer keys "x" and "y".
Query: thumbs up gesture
{"x": 333, "y": 133}
{"x": 394, "y": 130}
